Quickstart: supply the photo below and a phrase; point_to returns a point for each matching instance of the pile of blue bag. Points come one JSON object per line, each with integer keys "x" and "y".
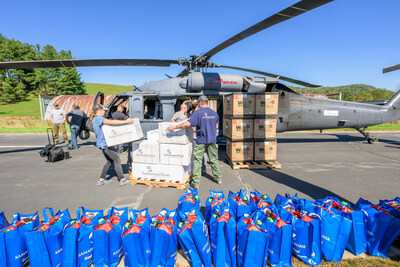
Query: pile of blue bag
{"x": 246, "y": 229}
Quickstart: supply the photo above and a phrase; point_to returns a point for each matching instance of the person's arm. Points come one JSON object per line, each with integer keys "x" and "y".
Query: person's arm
{"x": 65, "y": 118}
{"x": 117, "y": 122}
{"x": 172, "y": 120}
{"x": 51, "y": 118}
{"x": 179, "y": 126}
{"x": 217, "y": 125}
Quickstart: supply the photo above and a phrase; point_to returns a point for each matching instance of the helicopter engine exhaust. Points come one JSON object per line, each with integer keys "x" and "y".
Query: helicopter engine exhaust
{"x": 222, "y": 82}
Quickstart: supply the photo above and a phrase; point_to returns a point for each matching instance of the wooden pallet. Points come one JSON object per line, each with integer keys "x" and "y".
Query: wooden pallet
{"x": 255, "y": 165}
{"x": 161, "y": 183}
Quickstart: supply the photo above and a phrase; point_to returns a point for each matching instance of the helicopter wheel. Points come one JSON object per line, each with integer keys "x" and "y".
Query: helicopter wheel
{"x": 372, "y": 140}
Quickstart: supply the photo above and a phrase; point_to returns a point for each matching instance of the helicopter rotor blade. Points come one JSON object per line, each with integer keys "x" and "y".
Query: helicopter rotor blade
{"x": 271, "y": 75}
{"x": 85, "y": 63}
{"x": 288, "y": 13}
{"x": 183, "y": 73}
{"x": 391, "y": 68}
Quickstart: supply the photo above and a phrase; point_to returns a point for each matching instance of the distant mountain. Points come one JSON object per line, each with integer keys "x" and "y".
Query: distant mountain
{"x": 352, "y": 92}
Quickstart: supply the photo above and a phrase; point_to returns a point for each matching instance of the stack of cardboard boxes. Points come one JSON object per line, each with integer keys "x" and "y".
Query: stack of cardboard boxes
{"x": 164, "y": 155}
{"x": 249, "y": 124}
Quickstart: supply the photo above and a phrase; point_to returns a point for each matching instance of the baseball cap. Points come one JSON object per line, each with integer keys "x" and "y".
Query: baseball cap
{"x": 55, "y": 104}
{"x": 202, "y": 98}
{"x": 99, "y": 106}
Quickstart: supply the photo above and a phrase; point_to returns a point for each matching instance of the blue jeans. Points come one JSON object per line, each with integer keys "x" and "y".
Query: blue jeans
{"x": 74, "y": 135}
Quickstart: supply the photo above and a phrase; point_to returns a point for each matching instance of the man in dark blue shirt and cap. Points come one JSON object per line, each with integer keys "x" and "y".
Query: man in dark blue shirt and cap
{"x": 206, "y": 122}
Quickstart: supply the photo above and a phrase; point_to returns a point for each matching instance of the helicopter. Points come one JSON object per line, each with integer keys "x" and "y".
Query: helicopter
{"x": 157, "y": 101}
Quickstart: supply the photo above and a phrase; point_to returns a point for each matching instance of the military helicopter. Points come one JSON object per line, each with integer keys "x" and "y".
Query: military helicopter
{"x": 156, "y": 101}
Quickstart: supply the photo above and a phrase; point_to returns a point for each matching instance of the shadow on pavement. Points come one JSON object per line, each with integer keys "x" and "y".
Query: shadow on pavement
{"x": 314, "y": 191}
{"x": 21, "y": 150}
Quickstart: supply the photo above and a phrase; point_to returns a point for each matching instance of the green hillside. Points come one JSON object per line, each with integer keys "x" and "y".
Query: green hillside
{"x": 352, "y": 92}
{"x": 107, "y": 89}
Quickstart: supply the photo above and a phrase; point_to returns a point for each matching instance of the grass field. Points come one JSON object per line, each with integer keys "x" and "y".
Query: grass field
{"x": 24, "y": 117}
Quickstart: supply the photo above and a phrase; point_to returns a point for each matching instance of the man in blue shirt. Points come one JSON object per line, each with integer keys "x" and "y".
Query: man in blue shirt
{"x": 206, "y": 122}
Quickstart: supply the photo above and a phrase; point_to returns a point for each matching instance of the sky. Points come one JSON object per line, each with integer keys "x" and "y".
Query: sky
{"x": 343, "y": 42}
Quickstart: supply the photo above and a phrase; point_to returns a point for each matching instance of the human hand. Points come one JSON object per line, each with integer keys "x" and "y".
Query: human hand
{"x": 129, "y": 121}
{"x": 171, "y": 128}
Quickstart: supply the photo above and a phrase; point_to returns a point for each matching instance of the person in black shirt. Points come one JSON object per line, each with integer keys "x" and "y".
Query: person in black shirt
{"x": 75, "y": 118}
{"x": 119, "y": 115}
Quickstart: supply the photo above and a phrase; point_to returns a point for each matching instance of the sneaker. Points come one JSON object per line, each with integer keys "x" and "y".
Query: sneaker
{"x": 192, "y": 185}
{"x": 218, "y": 181}
{"x": 124, "y": 182}
{"x": 70, "y": 148}
{"x": 56, "y": 143}
{"x": 103, "y": 182}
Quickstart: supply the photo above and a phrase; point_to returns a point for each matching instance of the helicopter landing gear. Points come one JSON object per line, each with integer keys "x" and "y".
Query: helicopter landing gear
{"x": 370, "y": 139}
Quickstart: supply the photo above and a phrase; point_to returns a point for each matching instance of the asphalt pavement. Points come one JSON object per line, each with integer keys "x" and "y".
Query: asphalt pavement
{"x": 314, "y": 165}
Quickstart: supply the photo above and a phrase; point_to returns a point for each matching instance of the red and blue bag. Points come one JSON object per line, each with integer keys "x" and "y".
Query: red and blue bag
{"x": 194, "y": 238}
{"x": 306, "y": 234}
{"x": 13, "y": 251}
{"x": 288, "y": 200}
{"x": 252, "y": 240}
{"x": 357, "y": 242}
{"x": 280, "y": 244}
{"x": 78, "y": 238}
{"x": 215, "y": 201}
{"x": 45, "y": 243}
{"x": 335, "y": 231}
{"x": 239, "y": 204}
{"x": 164, "y": 238}
{"x": 222, "y": 226}
{"x": 189, "y": 200}
{"x": 382, "y": 228}
{"x": 392, "y": 206}
{"x": 136, "y": 239}
{"x": 107, "y": 238}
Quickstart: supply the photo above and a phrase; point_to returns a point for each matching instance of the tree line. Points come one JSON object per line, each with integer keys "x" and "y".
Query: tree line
{"x": 353, "y": 92}
{"x": 18, "y": 85}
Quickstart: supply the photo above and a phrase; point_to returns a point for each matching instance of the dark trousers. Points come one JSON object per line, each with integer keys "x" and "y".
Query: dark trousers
{"x": 112, "y": 156}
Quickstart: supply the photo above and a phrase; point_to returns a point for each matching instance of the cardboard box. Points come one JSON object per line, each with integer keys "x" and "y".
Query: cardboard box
{"x": 239, "y": 151}
{"x": 267, "y": 103}
{"x": 238, "y": 129}
{"x": 160, "y": 171}
{"x": 264, "y": 151}
{"x": 173, "y": 154}
{"x": 239, "y": 105}
{"x": 181, "y": 136}
{"x": 264, "y": 128}
{"x": 152, "y": 136}
{"x": 146, "y": 152}
{"x": 121, "y": 134}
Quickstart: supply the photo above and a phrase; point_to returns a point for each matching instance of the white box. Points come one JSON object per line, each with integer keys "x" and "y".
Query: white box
{"x": 146, "y": 152}
{"x": 121, "y": 134}
{"x": 152, "y": 136}
{"x": 173, "y": 154}
{"x": 181, "y": 136}
{"x": 160, "y": 171}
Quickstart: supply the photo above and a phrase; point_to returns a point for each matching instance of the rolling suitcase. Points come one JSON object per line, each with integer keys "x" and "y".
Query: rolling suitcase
{"x": 51, "y": 151}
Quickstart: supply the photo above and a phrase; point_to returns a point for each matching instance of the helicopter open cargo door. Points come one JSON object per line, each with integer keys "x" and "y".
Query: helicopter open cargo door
{"x": 99, "y": 99}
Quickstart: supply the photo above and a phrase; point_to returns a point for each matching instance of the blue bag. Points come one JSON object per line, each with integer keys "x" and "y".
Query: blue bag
{"x": 78, "y": 238}
{"x": 3, "y": 220}
{"x": 239, "y": 204}
{"x": 306, "y": 235}
{"x": 136, "y": 239}
{"x": 392, "y": 206}
{"x": 194, "y": 238}
{"x": 189, "y": 200}
{"x": 252, "y": 240}
{"x": 163, "y": 239}
{"x": 335, "y": 232}
{"x": 45, "y": 243}
{"x": 216, "y": 201}
{"x": 288, "y": 200}
{"x": 13, "y": 251}
{"x": 382, "y": 228}
{"x": 107, "y": 238}
{"x": 280, "y": 244}
{"x": 223, "y": 238}
{"x": 357, "y": 242}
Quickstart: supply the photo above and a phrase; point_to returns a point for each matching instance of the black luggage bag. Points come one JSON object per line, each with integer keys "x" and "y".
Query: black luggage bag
{"x": 51, "y": 151}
